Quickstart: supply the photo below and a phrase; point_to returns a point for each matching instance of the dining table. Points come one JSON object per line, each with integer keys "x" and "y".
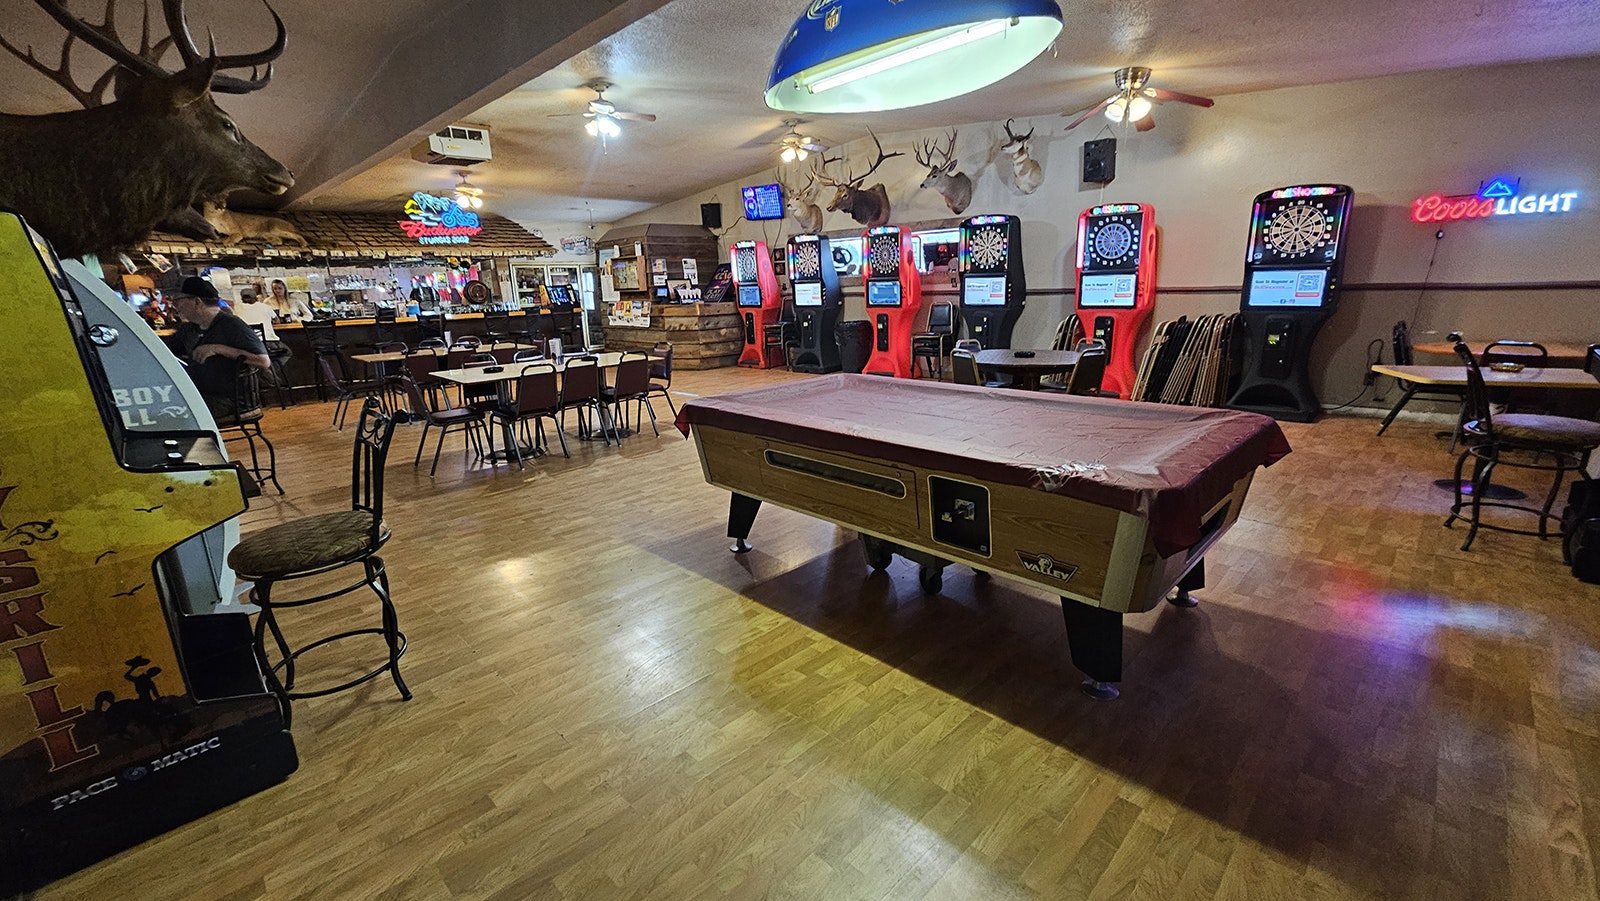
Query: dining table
{"x": 1026, "y": 367}
{"x": 1561, "y": 354}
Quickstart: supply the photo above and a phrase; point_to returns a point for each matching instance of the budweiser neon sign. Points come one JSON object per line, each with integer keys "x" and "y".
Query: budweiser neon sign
{"x": 1496, "y": 197}
{"x": 438, "y": 220}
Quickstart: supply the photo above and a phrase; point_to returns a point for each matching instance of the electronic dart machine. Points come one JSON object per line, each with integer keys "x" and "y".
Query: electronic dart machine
{"x": 760, "y": 302}
{"x": 1291, "y": 283}
{"x": 817, "y": 302}
{"x": 130, "y": 697}
{"x": 1117, "y": 282}
{"x": 894, "y": 296}
{"x": 993, "y": 288}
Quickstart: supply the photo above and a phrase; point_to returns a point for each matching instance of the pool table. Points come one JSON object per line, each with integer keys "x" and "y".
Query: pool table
{"x": 1109, "y": 504}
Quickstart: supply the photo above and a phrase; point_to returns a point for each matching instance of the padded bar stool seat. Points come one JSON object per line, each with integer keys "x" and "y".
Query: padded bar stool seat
{"x": 322, "y": 543}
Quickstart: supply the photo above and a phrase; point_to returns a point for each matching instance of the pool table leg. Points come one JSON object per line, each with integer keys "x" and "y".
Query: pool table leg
{"x": 742, "y": 510}
{"x": 1094, "y": 636}
{"x": 1193, "y": 579}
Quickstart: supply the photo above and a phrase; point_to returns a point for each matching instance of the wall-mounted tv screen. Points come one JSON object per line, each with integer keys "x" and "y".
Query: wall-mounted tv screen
{"x": 883, "y": 294}
{"x": 749, "y": 295}
{"x": 808, "y": 294}
{"x": 559, "y": 293}
{"x": 763, "y": 202}
{"x": 984, "y": 291}
{"x": 1114, "y": 292}
{"x": 1305, "y": 288}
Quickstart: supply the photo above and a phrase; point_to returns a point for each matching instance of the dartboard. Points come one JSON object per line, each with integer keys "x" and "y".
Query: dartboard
{"x": 807, "y": 260}
{"x": 885, "y": 254}
{"x": 745, "y": 264}
{"x": 1111, "y": 241}
{"x": 988, "y": 247}
{"x": 1294, "y": 231}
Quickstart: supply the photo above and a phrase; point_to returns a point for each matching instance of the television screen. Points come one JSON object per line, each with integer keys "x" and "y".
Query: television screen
{"x": 1287, "y": 288}
{"x": 984, "y": 291}
{"x": 1107, "y": 291}
{"x": 559, "y": 293}
{"x": 763, "y": 202}
{"x": 807, "y": 294}
{"x": 749, "y": 295}
{"x": 883, "y": 294}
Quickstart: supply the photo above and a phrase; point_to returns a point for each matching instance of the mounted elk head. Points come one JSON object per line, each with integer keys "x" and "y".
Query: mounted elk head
{"x": 104, "y": 177}
{"x": 870, "y": 206}
{"x": 1026, "y": 173}
{"x": 802, "y": 204}
{"x": 955, "y": 187}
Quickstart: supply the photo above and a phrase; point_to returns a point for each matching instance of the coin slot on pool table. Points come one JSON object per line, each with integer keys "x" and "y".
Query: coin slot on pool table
{"x": 833, "y": 472}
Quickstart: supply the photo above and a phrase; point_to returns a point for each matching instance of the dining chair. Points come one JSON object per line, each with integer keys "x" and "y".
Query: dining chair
{"x": 434, "y": 409}
{"x": 1089, "y": 371}
{"x": 631, "y": 383}
{"x": 345, "y": 390}
{"x": 279, "y": 370}
{"x": 322, "y": 543}
{"x": 537, "y": 398}
{"x": 580, "y": 390}
{"x": 1401, "y": 338}
{"x": 661, "y": 374}
{"x": 244, "y": 423}
{"x": 1558, "y": 444}
{"x": 1519, "y": 353}
{"x": 964, "y": 367}
{"x": 1068, "y": 331}
{"x": 433, "y": 343}
{"x": 937, "y": 342}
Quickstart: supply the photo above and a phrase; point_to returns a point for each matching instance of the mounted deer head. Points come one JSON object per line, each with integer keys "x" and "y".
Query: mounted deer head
{"x": 869, "y": 207}
{"x": 955, "y": 187}
{"x": 104, "y": 177}
{"x": 1026, "y": 173}
{"x": 802, "y": 203}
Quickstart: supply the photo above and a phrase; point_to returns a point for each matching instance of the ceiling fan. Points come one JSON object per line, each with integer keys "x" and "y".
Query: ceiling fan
{"x": 603, "y": 115}
{"x": 1132, "y": 101}
{"x": 795, "y": 145}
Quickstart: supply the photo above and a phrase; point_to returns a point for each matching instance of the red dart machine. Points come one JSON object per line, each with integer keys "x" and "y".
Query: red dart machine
{"x": 1117, "y": 245}
{"x": 894, "y": 296}
{"x": 760, "y": 301}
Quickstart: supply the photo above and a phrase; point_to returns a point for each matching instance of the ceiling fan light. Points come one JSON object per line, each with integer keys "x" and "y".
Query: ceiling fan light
{"x": 789, "y": 154}
{"x": 907, "y": 54}
{"x": 592, "y": 127}
{"x": 609, "y": 126}
{"x": 1117, "y": 109}
{"x": 1138, "y": 108}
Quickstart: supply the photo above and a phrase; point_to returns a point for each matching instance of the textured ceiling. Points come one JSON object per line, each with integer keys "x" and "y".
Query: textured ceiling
{"x": 362, "y": 80}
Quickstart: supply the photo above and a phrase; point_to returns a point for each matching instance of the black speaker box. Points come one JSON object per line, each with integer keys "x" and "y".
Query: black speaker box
{"x": 711, "y": 215}
{"x": 1100, "y": 161}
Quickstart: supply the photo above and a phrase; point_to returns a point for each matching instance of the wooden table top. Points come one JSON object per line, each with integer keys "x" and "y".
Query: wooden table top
{"x": 1559, "y": 351}
{"x": 509, "y": 371}
{"x": 1548, "y": 377}
{"x": 391, "y": 356}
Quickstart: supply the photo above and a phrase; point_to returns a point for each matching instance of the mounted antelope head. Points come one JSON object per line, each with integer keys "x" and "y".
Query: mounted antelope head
{"x": 104, "y": 177}
{"x": 869, "y": 207}
{"x": 955, "y": 187}
{"x": 802, "y": 203}
{"x": 1026, "y": 173}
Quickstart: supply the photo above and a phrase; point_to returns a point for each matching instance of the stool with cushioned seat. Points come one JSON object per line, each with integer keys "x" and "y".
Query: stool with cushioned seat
{"x": 323, "y": 543}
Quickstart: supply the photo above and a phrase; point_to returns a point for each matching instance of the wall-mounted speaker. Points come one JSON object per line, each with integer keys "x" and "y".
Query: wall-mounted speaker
{"x": 1100, "y": 161}
{"x": 711, "y": 215}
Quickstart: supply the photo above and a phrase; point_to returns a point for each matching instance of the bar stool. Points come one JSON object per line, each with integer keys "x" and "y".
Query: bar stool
{"x": 313, "y": 545}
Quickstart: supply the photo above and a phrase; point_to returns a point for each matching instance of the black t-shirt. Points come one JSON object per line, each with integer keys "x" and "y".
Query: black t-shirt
{"x": 215, "y": 376}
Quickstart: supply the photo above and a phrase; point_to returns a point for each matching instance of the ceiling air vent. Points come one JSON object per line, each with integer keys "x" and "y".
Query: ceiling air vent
{"x": 455, "y": 145}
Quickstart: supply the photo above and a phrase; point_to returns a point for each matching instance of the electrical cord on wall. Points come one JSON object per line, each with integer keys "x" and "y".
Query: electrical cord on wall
{"x": 1374, "y": 356}
{"x": 1416, "y": 308}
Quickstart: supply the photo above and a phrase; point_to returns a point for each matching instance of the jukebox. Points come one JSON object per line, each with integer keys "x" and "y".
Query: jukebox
{"x": 894, "y": 295}
{"x": 130, "y": 697}
{"x": 817, "y": 302}
{"x": 993, "y": 287}
{"x": 759, "y": 300}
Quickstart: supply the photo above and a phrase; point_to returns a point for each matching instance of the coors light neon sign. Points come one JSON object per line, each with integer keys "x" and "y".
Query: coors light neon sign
{"x": 438, "y": 220}
{"x": 1495, "y": 197}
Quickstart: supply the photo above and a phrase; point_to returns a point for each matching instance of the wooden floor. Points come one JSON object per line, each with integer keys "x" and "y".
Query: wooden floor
{"x": 610, "y": 705}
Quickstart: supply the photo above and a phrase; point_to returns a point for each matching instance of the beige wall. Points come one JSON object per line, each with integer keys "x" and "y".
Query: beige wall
{"x": 1391, "y": 139}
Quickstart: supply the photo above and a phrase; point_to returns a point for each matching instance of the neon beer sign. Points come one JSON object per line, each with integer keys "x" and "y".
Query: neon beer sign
{"x": 1495, "y": 197}
{"x": 438, "y": 220}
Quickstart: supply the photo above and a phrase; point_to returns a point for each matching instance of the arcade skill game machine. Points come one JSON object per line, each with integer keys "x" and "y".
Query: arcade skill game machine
{"x": 1291, "y": 283}
{"x": 894, "y": 296}
{"x": 760, "y": 302}
{"x": 993, "y": 288}
{"x": 130, "y": 697}
{"x": 817, "y": 302}
{"x": 1117, "y": 283}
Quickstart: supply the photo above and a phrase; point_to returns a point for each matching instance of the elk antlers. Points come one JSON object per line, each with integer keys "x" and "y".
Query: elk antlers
{"x": 146, "y": 61}
{"x": 855, "y": 181}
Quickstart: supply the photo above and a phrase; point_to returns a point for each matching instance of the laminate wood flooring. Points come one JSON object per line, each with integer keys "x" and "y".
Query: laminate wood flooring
{"x": 610, "y": 705}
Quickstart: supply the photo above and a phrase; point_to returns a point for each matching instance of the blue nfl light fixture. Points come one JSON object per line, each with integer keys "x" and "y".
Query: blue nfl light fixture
{"x": 856, "y": 56}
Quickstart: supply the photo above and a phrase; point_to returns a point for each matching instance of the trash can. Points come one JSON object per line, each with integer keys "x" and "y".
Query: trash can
{"x": 855, "y": 343}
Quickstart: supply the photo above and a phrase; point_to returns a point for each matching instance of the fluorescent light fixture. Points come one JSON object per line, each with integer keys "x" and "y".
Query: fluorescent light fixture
{"x": 845, "y": 56}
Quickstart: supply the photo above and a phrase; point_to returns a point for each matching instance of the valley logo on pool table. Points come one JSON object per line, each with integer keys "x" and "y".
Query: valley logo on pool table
{"x": 1046, "y": 565}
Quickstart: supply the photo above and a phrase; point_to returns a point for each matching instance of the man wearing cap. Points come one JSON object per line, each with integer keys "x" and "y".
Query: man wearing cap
{"x": 214, "y": 341}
